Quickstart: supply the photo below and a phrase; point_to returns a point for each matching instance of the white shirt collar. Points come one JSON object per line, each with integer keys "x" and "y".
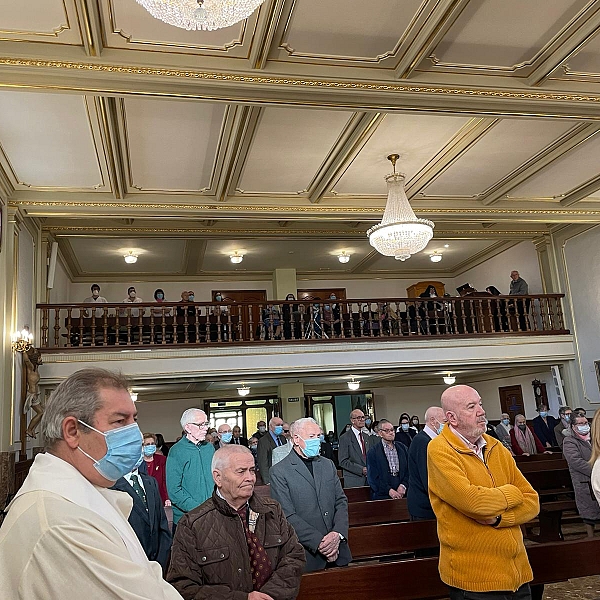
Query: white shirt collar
{"x": 477, "y": 447}
{"x": 430, "y": 432}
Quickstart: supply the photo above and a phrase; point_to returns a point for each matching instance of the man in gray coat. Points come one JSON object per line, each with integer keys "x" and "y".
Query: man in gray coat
{"x": 352, "y": 452}
{"x": 309, "y": 491}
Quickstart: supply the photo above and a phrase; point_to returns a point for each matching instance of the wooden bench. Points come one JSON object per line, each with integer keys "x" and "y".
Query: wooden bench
{"x": 358, "y": 494}
{"x": 375, "y": 512}
{"x": 420, "y": 579}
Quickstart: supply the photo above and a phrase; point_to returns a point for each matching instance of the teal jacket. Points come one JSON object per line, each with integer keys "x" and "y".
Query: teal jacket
{"x": 189, "y": 478}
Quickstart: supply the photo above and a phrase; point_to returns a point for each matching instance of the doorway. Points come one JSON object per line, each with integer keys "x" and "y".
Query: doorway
{"x": 243, "y": 413}
{"x": 511, "y": 401}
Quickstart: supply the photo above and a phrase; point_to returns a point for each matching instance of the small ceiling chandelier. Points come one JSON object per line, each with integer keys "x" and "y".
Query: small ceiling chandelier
{"x": 201, "y": 14}
{"x": 243, "y": 390}
{"x": 344, "y": 257}
{"x": 400, "y": 233}
{"x": 353, "y": 384}
{"x": 130, "y": 257}
{"x": 449, "y": 379}
{"x": 435, "y": 257}
{"x": 236, "y": 258}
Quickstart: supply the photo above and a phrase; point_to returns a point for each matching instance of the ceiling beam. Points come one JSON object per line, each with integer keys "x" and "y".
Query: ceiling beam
{"x": 573, "y": 138}
{"x": 464, "y": 139}
{"x": 356, "y": 134}
{"x": 566, "y": 44}
{"x": 116, "y": 155}
{"x": 426, "y": 33}
{"x": 89, "y": 23}
{"x": 366, "y": 262}
{"x": 582, "y": 192}
{"x": 268, "y": 20}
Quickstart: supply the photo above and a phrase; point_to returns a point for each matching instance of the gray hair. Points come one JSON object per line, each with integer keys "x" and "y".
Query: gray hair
{"x": 222, "y": 457}
{"x": 272, "y": 420}
{"x": 298, "y": 425}
{"x": 188, "y": 416}
{"x": 77, "y": 396}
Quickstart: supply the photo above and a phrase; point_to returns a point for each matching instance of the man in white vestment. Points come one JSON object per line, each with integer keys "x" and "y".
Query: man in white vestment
{"x": 66, "y": 534}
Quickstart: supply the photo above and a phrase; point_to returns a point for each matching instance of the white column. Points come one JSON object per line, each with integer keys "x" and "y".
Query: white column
{"x": 293, "y": 409}
{"x": 284, "y": 283}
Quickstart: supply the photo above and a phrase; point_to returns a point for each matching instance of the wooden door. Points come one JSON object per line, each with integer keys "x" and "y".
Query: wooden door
{"x": 322, "y": 294}
{"x": 511, "y": 401}
{"x": 232, "y": 297}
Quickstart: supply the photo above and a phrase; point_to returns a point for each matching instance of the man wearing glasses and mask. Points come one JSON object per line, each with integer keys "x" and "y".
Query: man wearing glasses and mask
{"x": 189, "y": 476}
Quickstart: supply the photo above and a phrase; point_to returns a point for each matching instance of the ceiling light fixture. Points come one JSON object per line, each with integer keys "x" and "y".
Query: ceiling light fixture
{"x": 201, "y": 14}
{"x": 353, "y": 384}
{"x": 243, "y": 390}
{"x": 435, "y": 257}
{"x": 400, "y": 233}
{"x": 134, "y": 396}
{"x": 130, "y": 257}
{"x": 344, "y": 257}
{"x": 449, "y": 379}
{"x": 236, "y": 258}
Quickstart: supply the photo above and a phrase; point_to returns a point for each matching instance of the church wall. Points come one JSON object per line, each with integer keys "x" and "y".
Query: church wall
{"x": 370, "y": 288}
{"x": 60, "y": 293}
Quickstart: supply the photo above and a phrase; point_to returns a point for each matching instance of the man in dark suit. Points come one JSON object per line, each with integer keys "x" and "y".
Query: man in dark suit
{"x": 387, "y": 465}
{"x": 543, "y": 427}
{"x": 147, "y": 517}
{"x": 352, "y": 452}
{"x": 272, "y": 439}
{"x": 419, "y": 505}
{"x": 261, "y": 429}
{"x": 237, "y": 439}
{"x": 311, "y": 496}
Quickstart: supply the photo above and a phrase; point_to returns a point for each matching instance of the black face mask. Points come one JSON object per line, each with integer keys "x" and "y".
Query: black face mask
{"x": 522, "y": 427}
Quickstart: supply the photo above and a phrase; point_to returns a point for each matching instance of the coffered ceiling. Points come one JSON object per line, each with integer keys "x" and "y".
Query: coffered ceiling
{"x": 272, "y": 135}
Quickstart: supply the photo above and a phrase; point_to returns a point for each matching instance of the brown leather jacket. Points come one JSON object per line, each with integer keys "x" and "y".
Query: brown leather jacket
{"x": 209, "y": 557}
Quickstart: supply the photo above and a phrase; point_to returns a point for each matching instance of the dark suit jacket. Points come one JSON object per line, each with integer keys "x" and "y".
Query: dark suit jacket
{"x": 150, "y": 526}
{"x": 351, "y": 458}
{"x": 545, "y": 432}
{"x": 264, "y": 454}
{"x": 418, "y": 488}
{"x": 243, "y": 441}
{"x": 378, "y": 470}
{"x": 313, "y": 505}
{"x": 405, "y": 437}
{"x": 326, "y": 450}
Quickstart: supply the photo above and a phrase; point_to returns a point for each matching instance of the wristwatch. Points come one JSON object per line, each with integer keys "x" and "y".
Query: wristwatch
{"x": 342, "y": 538}
{"x": 497, "y": 521}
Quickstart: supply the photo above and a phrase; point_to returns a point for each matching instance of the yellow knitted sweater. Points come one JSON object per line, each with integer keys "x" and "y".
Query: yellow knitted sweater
{"x": 463, "y": 489}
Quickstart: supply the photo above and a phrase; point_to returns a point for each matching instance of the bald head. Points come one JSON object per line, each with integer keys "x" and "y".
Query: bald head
{"x": 434, "y": 417}
{"x": 464, "y": 410}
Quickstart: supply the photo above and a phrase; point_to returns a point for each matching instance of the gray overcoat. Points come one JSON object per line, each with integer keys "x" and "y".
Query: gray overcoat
{"x": 350, "y": 458}
{"x": 577, "y": 452}
{"x": 314, "y": 505}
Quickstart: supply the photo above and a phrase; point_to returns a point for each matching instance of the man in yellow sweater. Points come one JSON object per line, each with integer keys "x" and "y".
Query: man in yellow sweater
{"x": 480, "y": 499}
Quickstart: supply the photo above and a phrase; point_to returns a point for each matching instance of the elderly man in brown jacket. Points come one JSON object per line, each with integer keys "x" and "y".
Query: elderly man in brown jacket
{"x": 236, "y": 546}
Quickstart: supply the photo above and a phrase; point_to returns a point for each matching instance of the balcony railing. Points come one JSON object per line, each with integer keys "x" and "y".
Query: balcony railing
{"x": 176, "y": 324}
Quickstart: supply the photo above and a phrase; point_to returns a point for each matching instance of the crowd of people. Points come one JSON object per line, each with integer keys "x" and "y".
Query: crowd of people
{"x": 90, "y": 515}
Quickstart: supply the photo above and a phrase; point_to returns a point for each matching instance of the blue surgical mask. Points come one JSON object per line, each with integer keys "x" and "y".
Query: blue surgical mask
{"x": 218, "y": 297}
{"x": 149, "y": 450}
{"x": 191, "y": 297}
{"x": 505, "y": 421}
{"x": 313, "y": 447}
{"x": 439, "y": 429}
{"x": 160, "y": 296}
{"x": 543, "y": 413}
{"x": 253, "y": 446}
{"x": 123, "y": 451}
{"x": 367, "y": 422}
{"x": 321, "y": 437}
{"x": 278, "y": 429}
{"x": 567, "y": 418}
{"x": 583, "y": 429}
{"x": 404, "y": 426}
{"x": 226, "y": 437}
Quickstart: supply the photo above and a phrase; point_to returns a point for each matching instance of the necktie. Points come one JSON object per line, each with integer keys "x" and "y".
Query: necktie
{"x": 259, "y": 560}
{"x": 137, "y": 488}
{"x": 362, "y": 445}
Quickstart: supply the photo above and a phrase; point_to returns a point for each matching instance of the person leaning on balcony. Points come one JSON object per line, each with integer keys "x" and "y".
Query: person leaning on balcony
{"x": 95, "y": 298}
{"x": 519, "y": 287}
{"x": 480, "y": 499}
{"x": 523, "y": 440}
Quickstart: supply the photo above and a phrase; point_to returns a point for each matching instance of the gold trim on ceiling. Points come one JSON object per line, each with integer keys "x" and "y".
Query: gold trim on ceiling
{"x": 56, "y": 31}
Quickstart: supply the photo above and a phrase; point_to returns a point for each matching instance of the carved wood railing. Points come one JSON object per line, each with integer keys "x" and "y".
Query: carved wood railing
{"x": 175, "y": 324}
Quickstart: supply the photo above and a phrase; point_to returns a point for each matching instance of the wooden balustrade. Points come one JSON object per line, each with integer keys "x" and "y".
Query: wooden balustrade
{"x": 169, "y": 324}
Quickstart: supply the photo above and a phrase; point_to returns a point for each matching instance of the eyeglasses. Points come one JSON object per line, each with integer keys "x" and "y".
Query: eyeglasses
{"x": 286, "y": 431}
{"x": 387, "y": 430}
{"x": 201, "y": 425}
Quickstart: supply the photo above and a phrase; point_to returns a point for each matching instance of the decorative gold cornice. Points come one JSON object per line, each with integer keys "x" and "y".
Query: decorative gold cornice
{"x": 312, "y": 209}
{"x": 300, "y": 82}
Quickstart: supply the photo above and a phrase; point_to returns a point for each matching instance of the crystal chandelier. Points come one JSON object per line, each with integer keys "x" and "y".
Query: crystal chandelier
{"x": 201, "y": 14}
{"x": 400, "y": 234}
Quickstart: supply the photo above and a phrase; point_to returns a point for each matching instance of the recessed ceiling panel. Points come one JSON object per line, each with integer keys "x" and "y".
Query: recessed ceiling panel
{"x": 306, "y": 256}
{"x": 127, "y": 24}
{"x": 587, "y": 60}
{"x": 458, "y": 252}
{"x": 417, "y": 138}
{"x": 105, "y": 255}
{"x": 563, "y": 174}
{"x": 504, "y": 33}
{"x": 172, "y": 145}
{"x": 289, "y": 146}
{"x": 47, "y": 141}
{"x": 347, "y": 29}
{"x": 503, "y": 149}
{"x": 53, "y": 21}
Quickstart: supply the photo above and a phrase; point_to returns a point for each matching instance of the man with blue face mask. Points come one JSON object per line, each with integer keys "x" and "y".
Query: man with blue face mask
{"x": 65, "y": 530}
{"x": 543, "y": 427}
{"x": 272, "y": 439}
{"x": 225, "y": 436}
{"x": 310, "y": 493}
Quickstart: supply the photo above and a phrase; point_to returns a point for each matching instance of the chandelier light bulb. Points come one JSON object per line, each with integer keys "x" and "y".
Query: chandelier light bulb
{"x": 353, "y": 384}
{"x": 134, "y": 396}
{"x": 236, "y": 258}
{"x": 435, "y": 257}
{"x": 130, "y": 257}
{"x": 449, "y": 379}
{"x": 344, "y": 257}
{"x": 244, "y": 390}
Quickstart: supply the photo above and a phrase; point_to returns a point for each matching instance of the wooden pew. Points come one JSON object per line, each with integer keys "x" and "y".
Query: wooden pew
{"x": 375, "y": 512}
{"x": 358, "y": 494}
{"x": 420, "y": 578}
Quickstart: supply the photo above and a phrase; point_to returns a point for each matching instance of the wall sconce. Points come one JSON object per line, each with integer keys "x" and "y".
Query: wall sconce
{"x": 21, "y": 341}
{"x": 244, "y": 390}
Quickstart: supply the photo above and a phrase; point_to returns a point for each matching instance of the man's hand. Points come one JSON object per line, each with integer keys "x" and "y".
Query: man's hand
{"x": 548, "y": 445}
{"x": 394, "y": 495}
{"x": 364, "y": 471}
{"x": 333, "y": 557}
{"x": 401, "y": 490}
{"x": 259, "y": 596}
{"x": 487, "y": 521}
{"x": 167, "y": 503}
{"x": 329, "y": 544}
